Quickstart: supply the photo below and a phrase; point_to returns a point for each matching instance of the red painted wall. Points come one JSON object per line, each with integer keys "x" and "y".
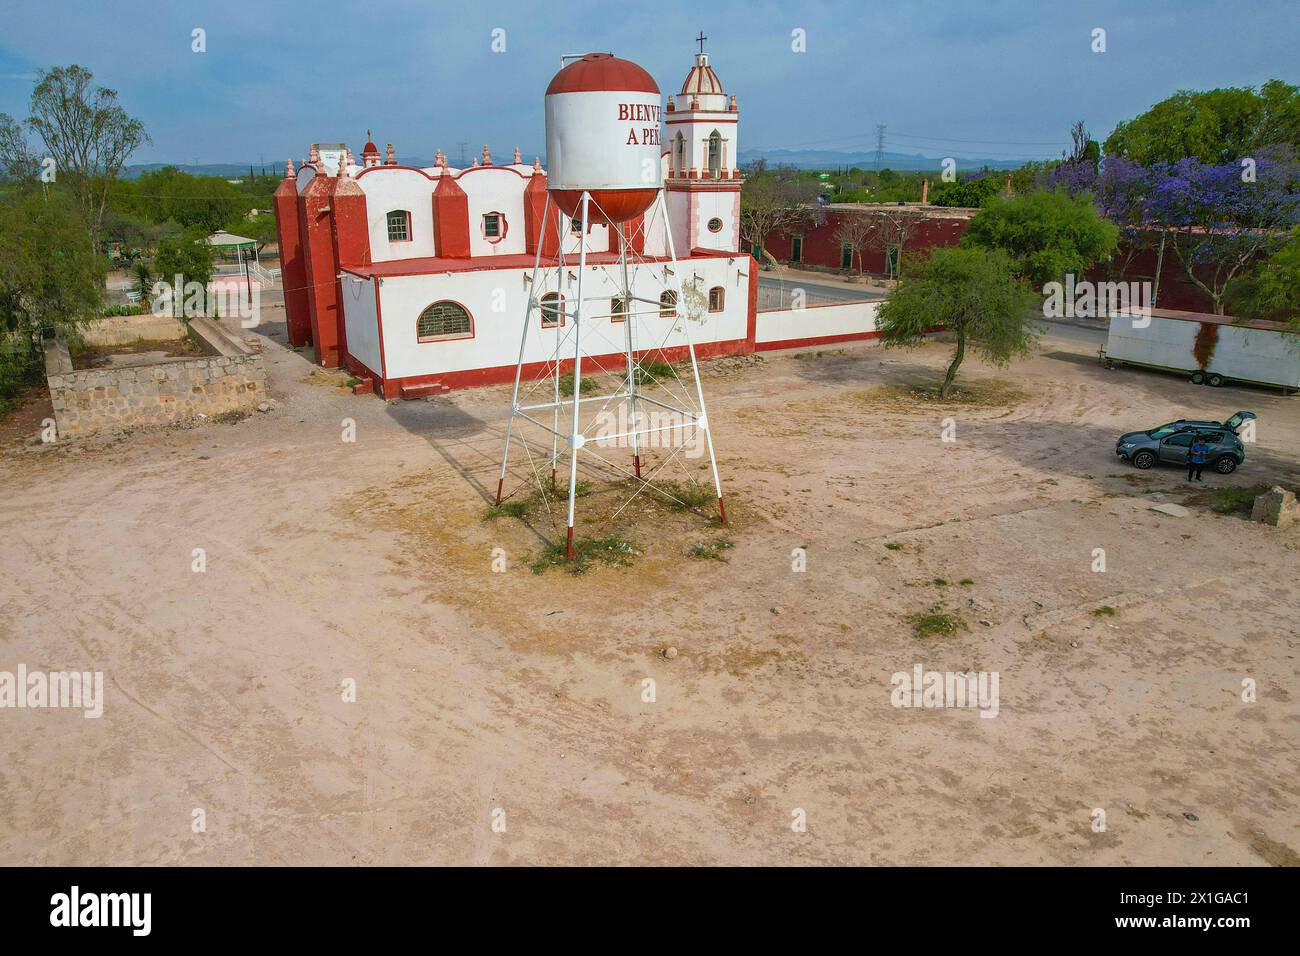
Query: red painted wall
{"x": 314, "y": 216}
{"x": 821, "y": 248}
{"x": 293, "y": 268}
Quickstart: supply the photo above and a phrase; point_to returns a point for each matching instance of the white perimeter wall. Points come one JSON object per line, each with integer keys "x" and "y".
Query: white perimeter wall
{"x": 361, "y": 322}
{"x": 497, "y": 299}
{"x": 815, "y": 321}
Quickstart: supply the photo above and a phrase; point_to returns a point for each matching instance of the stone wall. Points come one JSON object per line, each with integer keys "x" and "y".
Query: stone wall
{"x": 124, "y": 329}
{"x": 230, "y": 378}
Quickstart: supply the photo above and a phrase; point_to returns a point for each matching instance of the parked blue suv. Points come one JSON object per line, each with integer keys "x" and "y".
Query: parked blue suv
{"x": 1169, "y": 444}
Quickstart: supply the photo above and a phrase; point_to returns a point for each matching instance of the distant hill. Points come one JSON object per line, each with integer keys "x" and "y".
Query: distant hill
{"x": 831, "y": 159}
{"x": 799, "y": 158}
{"x": 240, "y": 170}
{"x": 224, "y": 170}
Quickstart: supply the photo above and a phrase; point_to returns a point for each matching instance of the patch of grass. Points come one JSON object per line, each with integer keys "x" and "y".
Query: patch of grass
{"x": 653, "y": 372}
{"x": 936, "y": 622}
{"x": 689, "y": 494}
{"x": 711, "y": 550}
{"x": 523, "y": 505}
{"x": 989, "y": 393}
{"x": 352, "y": 381}
{"x": 1231, "y": 501}
{"x": 514, "y": 508}
{"x": 965, "y": 582}
{"x": 893, "y": 546}
{"x": 940, "y": 582}
{"x": 607, "y": 549}
{"x": 591, "y": 385}
{"x": 1104, "y": 611}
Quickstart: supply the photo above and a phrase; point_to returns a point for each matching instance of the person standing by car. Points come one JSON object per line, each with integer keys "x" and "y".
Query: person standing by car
{"x": 1196, "y": 456}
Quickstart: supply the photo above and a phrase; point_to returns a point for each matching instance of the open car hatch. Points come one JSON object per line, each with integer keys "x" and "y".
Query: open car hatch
{"x": 1239, "y": 419}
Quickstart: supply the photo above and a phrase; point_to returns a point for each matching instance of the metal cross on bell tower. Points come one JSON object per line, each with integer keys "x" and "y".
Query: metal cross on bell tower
{"x": 700, "y": 40}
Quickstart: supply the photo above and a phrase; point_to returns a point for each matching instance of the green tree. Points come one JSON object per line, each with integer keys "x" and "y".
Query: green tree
{"x": 187, "y": 257}
{"x": 87, "y": 134}
{"x": 976, "y": 294}
{"x": 16, "y": 159}
{"x": 1048, "y": 234}
{"x": 260, "y": 228}
{"x": 1272, "y": 291}
{"x": 970, "y": 193}
{"x": 1213, "y": 126}
{"x": 50, "y": 280}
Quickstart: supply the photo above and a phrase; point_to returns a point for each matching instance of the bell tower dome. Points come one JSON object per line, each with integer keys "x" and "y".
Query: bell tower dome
{"x": 702, "y": 174}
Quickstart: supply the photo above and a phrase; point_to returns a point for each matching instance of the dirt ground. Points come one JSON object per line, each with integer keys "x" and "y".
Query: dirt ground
{"x": 519, "y": 698}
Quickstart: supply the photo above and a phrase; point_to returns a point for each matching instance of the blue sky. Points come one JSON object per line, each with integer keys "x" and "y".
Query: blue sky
{"x": 992, "y": 78}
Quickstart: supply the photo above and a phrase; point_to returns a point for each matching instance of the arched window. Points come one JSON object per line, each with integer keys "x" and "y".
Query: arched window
{"x": 552, "y": 308}
{"x": 668, "y": 305}
{"x": 717, "y": 295}
{"x": 715, "y": 154}
{"x": 444, "y": 320}
{"x": 679, "y": 152}
{"x": 399, "y": 226}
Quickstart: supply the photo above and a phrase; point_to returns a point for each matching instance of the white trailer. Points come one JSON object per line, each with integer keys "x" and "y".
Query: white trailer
{"x": 1212, "y": 349}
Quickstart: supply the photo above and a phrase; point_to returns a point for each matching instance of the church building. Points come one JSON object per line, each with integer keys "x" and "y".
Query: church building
{"x": 416, "y": 279}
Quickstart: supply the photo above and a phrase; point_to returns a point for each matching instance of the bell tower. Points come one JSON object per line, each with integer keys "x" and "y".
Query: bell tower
{"x": 702, "y": 175}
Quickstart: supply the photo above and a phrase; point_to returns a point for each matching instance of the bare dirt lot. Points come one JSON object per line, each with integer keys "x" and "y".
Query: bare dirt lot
{"x": 516, "y": 696}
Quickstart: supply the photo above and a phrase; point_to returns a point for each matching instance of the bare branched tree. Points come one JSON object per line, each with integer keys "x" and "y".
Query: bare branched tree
{"x": 87, "y": 134}
{"x": 893, "y": 226}
{"x": 854, "y": 230}
{"x": 773, "y": 201}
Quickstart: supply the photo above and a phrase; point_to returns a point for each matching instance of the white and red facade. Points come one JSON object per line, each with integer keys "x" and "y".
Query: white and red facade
{"x": 369, "y": 248}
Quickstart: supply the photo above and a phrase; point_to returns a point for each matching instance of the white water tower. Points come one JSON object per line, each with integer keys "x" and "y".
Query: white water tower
{"x": 603, "y": 155}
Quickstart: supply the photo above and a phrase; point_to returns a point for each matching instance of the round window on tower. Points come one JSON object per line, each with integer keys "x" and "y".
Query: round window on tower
{"x": 715, "y": 224}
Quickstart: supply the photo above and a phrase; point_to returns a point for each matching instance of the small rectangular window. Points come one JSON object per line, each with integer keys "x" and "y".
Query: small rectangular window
{"x": 796, "y": 248}
{"x": 716, "y": 298}
{"x": 399, "y": 226}
{"x": 617, "y": 309}
{"x": 575, "y": 226}
{"x": 492, "y": 226}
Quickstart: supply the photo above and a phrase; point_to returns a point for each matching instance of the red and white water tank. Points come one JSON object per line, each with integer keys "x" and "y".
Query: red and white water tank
{"x": 602, "y": 136}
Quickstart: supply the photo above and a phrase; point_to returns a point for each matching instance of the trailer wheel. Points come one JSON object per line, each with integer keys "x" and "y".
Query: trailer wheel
{"x": 1215, "y": 379}
{"x": 1144, "y": 460}
{"x": 1198, "y": 378}
{"x": 1225, "y": 465}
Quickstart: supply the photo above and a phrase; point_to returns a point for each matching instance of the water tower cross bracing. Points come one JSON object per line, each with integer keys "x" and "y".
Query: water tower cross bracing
{"x": 603, "y": 152}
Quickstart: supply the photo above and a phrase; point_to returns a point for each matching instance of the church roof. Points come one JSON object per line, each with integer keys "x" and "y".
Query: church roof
{"x": 701, "y": 80}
